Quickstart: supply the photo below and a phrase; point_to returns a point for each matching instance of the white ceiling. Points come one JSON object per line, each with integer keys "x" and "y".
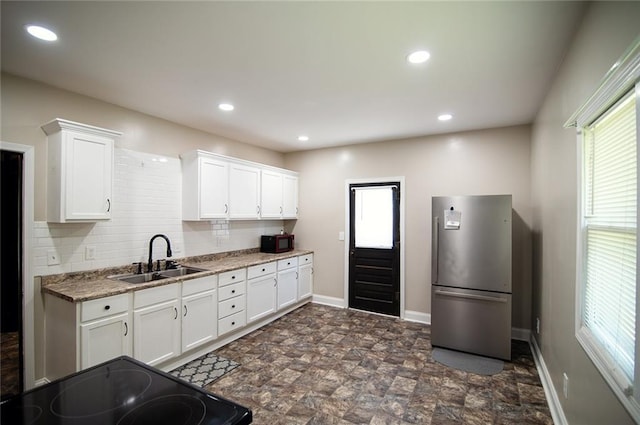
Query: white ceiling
{"x": 335, "y": 71}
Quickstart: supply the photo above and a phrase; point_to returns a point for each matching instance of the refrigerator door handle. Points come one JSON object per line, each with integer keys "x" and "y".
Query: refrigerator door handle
{"x": 434, "y": 249}
{"x": 470, "y": 296}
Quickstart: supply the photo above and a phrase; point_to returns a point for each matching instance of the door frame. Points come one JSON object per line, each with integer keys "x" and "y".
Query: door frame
{"x": 347, "y": 235}
{"x": 28, "y": 310}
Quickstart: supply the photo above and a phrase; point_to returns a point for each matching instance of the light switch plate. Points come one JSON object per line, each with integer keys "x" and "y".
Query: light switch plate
{"x": 340, "y": 236}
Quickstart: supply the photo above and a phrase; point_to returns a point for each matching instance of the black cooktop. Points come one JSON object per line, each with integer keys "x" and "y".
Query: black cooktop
{"x": 121, "y": 391}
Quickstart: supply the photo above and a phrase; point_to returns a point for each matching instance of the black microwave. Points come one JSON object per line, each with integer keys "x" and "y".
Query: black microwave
{"x": 276, "y": 243}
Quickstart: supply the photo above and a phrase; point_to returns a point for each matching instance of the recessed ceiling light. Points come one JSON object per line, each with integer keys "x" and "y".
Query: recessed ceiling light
{"x": 42, "y": 33}
{"x": 445, "y": 117}
{"x": 420, "y": 56}
{"x": 303, "y": 138}
{"x": 226, "y": 107}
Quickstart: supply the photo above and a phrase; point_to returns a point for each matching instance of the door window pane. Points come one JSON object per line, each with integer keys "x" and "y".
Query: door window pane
{"x": 374, "y": 217}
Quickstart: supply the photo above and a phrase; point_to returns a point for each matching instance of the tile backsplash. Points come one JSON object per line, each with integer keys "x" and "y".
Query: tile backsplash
{"x": 147, "y": 199}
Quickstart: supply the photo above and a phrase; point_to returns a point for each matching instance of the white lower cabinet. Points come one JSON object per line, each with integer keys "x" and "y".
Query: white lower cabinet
{"x": 261, "y": 291}
{"x": 305, "y": 276}
{"x": 232, "y": 301}
{"x": 199, "y": 312}
{"x": 81, "y": 335}
{"x": 104, "y": 339}
{"x": 156, "y": 324}
{"x": 287, "y": 282}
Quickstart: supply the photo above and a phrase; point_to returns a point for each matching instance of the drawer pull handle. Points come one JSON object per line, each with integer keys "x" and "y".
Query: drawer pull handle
{"x": 233, "y": 306}
{"x": 263, "y": 269}
{"x": 126, "y": 329}
{"x": 233, "y": 277}
{"x": 233, "y": 323}
{"x": 233, "y": 291}
{"x": 107, "y": 307}
{"x": 176, "y": 310}
{"x": 185, "y": 311}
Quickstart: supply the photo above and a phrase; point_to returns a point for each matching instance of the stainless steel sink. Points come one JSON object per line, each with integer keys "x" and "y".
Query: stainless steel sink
{"x": 159, "y": 275}
{"x": 180, "y": 271}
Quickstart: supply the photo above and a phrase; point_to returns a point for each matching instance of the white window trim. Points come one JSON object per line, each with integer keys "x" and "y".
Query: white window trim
{"x": 621, "y": 78}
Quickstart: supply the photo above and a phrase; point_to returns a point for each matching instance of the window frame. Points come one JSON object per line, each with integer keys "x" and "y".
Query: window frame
{"x": 623, "y": 77}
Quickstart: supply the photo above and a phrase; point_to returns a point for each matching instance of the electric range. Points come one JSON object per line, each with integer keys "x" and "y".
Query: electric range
{"x": 122, "y": 391}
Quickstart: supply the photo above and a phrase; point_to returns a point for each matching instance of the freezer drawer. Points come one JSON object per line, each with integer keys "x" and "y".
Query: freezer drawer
{"x": 477, "y": 322}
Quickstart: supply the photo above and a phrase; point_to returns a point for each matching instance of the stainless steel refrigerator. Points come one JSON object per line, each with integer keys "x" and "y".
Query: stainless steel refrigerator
{"x": 471, "y": 274}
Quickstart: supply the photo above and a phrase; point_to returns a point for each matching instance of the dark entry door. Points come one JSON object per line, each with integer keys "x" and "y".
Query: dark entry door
{"x": 374, "y": 247}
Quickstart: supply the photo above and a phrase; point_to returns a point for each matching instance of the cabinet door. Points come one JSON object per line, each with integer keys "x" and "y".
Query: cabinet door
{"x": 244, "y": 192}
{"x": 214, "y": 188}
{"x": 305, "y": 281}
{"x": 290, "y": 196}
{"x": 88, "y": 167}
{"x": 271, "y": 194}
{"x": 104, "y": 339}
{"x": 261, "y": 297}
{"x": 287, "y": 287}
{"x": 157, "y": 332}
{"x": 199, "y": 319}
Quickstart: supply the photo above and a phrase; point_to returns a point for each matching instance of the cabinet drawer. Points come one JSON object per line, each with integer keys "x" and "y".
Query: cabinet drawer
{"x": 230, "y": 291}
{"x": 156, "y": 295}
{"x": 231, "y": 306}
{"x": 288, "y": 263}
{"x": 261, "y": 270}
{"x": 305, "y": 259}
{"x": 233, "y": 276}
{"x": 194, "y": 286}
{"x": 103, "y": 307}
{"x": 230, "y": 323}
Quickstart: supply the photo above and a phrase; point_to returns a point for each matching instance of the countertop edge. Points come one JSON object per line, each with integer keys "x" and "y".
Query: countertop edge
{"x": 102, "y": 286}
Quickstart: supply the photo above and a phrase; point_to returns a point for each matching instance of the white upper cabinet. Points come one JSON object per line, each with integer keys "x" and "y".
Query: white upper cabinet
{"x": 205, "y": 187}
{"x": 244, "y": 191}
{"x": 279, "y": 195}
{"x": 289, "y": 196}
{"x": 80, "y": 171}
{"x": 220, "y": 187}
{"x": 271, "y": 194}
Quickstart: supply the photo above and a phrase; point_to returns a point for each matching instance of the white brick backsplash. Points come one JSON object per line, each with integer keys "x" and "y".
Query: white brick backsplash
{"x": 147, "y": 199}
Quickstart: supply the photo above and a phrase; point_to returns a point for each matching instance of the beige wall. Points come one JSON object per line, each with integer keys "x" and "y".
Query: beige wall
{"x": 471, "y": 163}
{"x": 26, "y": 105}
{"x": 607, "y": 30}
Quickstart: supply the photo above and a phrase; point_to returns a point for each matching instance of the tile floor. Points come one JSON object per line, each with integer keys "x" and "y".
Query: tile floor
{"x": 324, "y": 365}
{"x": 9, "y": 364}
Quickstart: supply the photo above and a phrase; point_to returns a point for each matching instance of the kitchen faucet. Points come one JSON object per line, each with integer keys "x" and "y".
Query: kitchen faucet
{"x": 150, "y": 263}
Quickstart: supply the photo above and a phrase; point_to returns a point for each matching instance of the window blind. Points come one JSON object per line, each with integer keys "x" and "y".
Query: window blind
{"x": 374, "y": 217}
{"x": 610, "y": 174}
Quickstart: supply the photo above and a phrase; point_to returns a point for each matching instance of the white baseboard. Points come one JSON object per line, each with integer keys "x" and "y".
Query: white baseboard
{"x": 557, "y": 414}
{"x": 521, "y": 334}
{"x": 330, "y": 301}
{"x": 417, "y": 316}
{"x": 40, "y": 382}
